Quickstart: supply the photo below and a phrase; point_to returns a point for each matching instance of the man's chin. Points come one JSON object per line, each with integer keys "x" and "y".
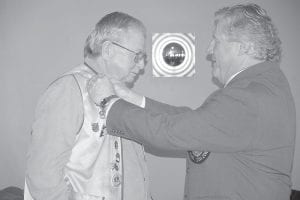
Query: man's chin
{"x": 130, "y": 82}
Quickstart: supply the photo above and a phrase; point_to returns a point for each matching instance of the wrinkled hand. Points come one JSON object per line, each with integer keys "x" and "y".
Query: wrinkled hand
{"x": 125, "y": 93}
{"x": 99, "y": 87}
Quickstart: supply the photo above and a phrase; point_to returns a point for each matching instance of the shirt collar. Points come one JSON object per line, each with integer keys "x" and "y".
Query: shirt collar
{"x": 234, "y": 75}
{"x": 253, "y": 70}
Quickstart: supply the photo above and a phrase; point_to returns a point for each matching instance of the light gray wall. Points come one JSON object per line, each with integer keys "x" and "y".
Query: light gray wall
{"x": 39, "y": 40}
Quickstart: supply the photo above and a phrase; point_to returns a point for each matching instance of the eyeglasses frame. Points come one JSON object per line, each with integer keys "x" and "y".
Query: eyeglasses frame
{"x": 137, "y": 57}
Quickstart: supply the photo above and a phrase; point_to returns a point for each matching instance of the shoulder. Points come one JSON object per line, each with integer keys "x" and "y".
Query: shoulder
{"x": 231, "y": 99}
{"x": 251, "y": 88}
{"x": 232, "y": 93}
{"x": 64, "y": 82}
{"x": 63, "y": 89}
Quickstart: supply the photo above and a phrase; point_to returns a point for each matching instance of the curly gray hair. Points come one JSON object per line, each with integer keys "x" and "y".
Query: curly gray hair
{"x": 250, "y": 23}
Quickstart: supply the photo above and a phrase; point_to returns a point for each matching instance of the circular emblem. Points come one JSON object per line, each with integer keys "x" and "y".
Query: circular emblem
{"x": 198, "y": 156}
{"x": 116, "y": 180}
{"x": 173, "y": 54}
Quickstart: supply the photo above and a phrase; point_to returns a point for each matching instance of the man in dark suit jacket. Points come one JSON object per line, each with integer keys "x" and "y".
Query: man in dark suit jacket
{"x": 240, "y": 141}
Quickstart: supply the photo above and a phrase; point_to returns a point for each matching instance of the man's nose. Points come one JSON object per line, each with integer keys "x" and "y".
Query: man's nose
{"x": 141, "y": 64}
{"x": 209, "y": 57}
{"x": 209, "y": 49}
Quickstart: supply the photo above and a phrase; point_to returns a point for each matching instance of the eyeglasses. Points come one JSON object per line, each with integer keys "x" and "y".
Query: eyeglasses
{"x": 139, "y": 56}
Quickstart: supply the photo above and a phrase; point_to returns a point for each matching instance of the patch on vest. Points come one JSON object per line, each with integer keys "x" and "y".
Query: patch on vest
{"x": 116, "y": 180}
{"x": 198, "y": 156}
{"x": 95, "y": 127}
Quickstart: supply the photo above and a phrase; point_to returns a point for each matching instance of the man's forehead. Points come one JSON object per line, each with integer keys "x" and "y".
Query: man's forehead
{"x": 134, "y": 32}
{"x": 220, "y": 29}
{"x": 135, "y": 38}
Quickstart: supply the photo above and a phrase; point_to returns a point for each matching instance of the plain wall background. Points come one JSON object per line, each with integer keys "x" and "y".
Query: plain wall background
{"x": 39, "y": 40}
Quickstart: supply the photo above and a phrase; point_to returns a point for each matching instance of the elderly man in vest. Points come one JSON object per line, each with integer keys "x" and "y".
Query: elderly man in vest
{"x": 70, "y": 156}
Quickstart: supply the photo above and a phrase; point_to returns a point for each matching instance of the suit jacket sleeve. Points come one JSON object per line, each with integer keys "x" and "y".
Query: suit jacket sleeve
{"x": 226, "y": 122}
{"x": 158, "y": 107}
{"x": 58, "y": 119}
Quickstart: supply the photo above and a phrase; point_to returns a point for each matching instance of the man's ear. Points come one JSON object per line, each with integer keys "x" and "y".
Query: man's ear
{"x": 107, "y": 50}
{"x": 247, "y": 48}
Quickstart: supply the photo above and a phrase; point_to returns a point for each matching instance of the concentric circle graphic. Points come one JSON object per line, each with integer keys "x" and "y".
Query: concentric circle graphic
{"x": 173, "y": 54}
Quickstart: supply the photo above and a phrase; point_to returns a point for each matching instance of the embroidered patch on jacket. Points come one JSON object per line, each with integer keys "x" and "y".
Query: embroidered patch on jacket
{"x": 198, "y": 156}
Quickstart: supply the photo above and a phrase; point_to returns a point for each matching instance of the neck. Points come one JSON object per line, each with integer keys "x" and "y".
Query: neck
{"x": 249, "y": 62}
{"x": 97, "y": 66}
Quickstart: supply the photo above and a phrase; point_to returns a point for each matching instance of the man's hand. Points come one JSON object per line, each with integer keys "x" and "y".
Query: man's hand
{"x": 125, "y": 93}
{"x": 99, "y": 87}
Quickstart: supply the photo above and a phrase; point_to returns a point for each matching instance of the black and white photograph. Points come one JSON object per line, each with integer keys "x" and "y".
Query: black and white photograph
{"x": 149, "y": 100}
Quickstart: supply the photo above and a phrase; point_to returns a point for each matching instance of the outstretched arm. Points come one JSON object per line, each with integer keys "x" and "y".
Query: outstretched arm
{"x": 226, "y": 122}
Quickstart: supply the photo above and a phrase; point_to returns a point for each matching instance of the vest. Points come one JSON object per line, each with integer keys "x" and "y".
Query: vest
{"x": 117, "y": 168}
{"x": 95, "y": 167}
